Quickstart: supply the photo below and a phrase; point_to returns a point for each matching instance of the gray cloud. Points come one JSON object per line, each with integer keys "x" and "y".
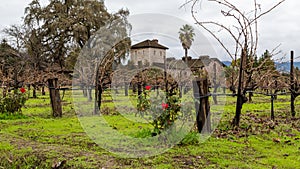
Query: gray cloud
{"x": 12, "y": 11}
{"x": 166, "y": 28}
{"x": 281, "y": 26}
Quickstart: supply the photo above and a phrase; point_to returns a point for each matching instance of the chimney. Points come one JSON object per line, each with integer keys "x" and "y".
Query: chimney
{"x": 155, "y": 40}
{"x": 204, "y": 57}
{"x": 188, "y": 58}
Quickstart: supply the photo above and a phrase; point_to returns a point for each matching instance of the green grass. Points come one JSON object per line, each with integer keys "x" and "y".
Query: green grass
{"x": 36, "y": 140}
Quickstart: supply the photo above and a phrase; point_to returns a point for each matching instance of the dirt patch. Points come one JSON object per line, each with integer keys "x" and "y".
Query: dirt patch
{"x": 53, "y": 152}
{"x": 255, "y": 124}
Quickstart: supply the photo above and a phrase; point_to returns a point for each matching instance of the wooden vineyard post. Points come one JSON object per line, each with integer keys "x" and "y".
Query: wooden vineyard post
{"x": 272, "y": 106}
{"x": 55, "y": 97}
{"x": 200, "y": 88}
{"x": 292, "y": 85}
{"x": 126, "y": 86}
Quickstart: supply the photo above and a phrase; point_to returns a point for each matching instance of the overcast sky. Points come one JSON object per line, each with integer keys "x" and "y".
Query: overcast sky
{"x": 281, "y": 26}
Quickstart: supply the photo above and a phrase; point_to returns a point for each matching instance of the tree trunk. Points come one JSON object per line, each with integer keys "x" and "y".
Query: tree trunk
{"x": 240, "y": 95}
{"x": 97, "y": 103}
{"x": 84, "y": 92}
{"x": 134, "y": 88}
{"x": 186, "y": 55}
{"x": 43, "y": 90}
{"x": 55, "y": 98}
{"x": 126, "y": 87}
{"x": 239, "y": 106}
{"x": 250, "y": 96}
{"x": 89, "y": 94}
{"x": 34, "y": 91}
{"x": 98, "y": 98}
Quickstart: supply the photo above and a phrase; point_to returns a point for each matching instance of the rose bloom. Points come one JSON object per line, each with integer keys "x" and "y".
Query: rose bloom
{"x": 164, "y": 105}
{"x": 22, "y": 90}
{"x": 148, "y": 87}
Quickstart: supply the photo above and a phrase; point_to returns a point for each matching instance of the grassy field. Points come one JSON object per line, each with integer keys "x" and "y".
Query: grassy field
{"x": 36, "y": 140}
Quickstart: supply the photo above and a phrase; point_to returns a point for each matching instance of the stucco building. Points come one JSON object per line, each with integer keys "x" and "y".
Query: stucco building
{"x": 148, "y": 52}
{"x": 151, "y": 53}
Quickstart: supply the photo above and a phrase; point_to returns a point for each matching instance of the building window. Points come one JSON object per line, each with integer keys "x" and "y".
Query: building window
{"x": 143, "y": 52}
{"x": 154, "y": 52}
{"x": 160, "y": 53}
{"x": 135, "y": 53}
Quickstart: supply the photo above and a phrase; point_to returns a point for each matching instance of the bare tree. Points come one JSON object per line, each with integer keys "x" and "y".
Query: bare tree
{"x": 294, "y": 84}
{"x": 243, "y": 32}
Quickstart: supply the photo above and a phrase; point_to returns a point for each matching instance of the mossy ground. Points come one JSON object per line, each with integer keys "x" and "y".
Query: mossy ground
{"x": 36, "y": 140}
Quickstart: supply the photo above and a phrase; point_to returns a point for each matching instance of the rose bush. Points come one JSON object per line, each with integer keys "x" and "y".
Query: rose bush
{"x": 13, "y": 101}
{"x": 162, "y": 110}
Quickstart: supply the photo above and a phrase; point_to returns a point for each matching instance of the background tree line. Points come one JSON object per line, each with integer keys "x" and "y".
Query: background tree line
{"x": 50, "y": 39}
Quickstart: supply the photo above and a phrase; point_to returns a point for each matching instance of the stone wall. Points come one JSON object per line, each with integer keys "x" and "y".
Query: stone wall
{"x": 147, "y": 55}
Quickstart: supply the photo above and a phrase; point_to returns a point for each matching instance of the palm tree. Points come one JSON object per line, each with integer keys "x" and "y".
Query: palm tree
{"x": 186, "y": 36}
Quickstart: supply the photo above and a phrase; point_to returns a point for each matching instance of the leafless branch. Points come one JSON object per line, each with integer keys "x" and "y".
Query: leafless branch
{"x": 268, "y": 11}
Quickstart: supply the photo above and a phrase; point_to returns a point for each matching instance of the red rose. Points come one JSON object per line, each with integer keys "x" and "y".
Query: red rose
{"x": 164, "y": 106}
{"x": 148, "y": 87}
{"x": 22, "y": 90}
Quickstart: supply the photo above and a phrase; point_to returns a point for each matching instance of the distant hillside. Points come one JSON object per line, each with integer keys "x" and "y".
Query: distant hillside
{"x": 286, "y": 66}
{"x": 227, "y": 63}
{"x": 283, "y": 67}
